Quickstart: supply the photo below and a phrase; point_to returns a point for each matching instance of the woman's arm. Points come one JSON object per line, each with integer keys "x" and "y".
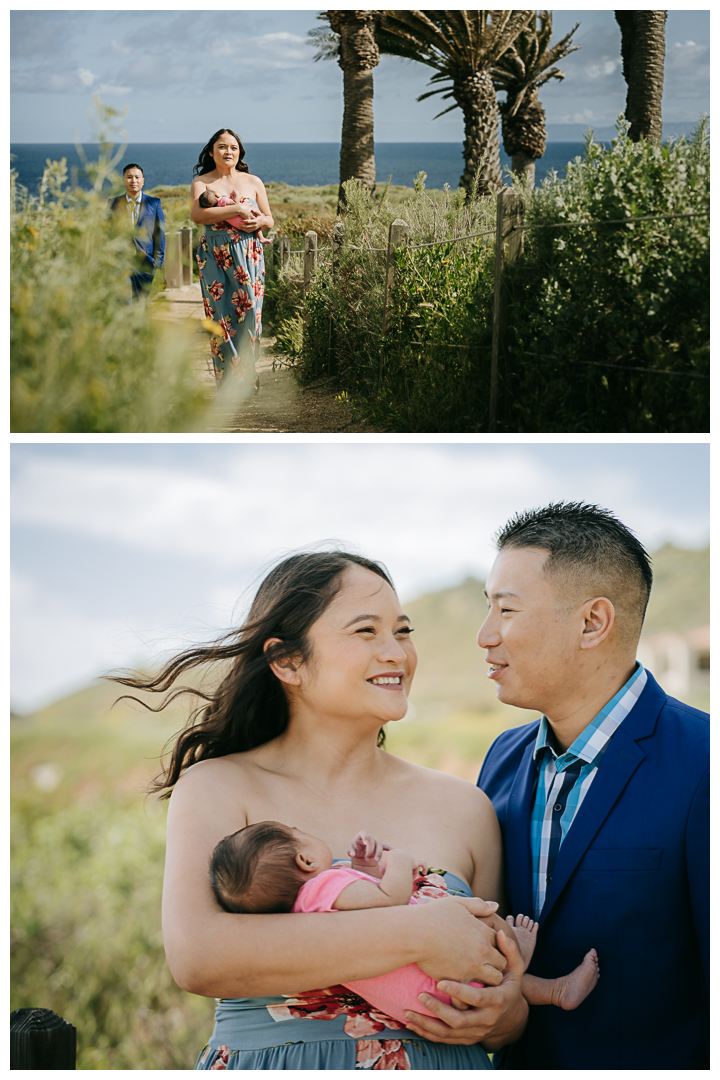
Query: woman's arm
{"x": 213, "y": 953}
{"x": 212, "y": 214}
{"x": 261, "y": 199}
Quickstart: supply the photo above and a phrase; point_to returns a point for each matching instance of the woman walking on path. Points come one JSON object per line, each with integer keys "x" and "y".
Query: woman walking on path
{"x": 230, "y": 260}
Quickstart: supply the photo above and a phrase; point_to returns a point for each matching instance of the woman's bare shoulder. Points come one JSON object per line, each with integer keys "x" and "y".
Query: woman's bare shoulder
{"x": 441, "y": 784}
{"x": 212, "y": 773}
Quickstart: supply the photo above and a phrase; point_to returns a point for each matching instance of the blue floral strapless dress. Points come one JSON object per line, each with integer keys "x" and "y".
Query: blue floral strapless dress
{"x": 331, "y": 1028}
{"x": 232, "y": 278}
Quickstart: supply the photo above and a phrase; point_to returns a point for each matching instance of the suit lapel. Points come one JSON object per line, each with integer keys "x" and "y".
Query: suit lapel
{"x": 518, "y": 852}
{"x": 619, "y": 763}
{"x": 144, "y": 211}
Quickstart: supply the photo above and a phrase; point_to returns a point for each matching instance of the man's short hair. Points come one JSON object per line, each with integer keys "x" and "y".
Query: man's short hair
{"x": 133, "y": 165}
{"x": 591, "y": 553}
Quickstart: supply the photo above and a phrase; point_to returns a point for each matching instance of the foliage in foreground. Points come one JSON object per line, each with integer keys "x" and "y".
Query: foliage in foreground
{"x": 86, "y": 938}
{"x": 83, "y": 358}
{"x": 587, "y": 304}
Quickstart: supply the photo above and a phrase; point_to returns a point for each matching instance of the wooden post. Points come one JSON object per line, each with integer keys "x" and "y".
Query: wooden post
{"x": 509, "y": 246}
{"x": 173, "y": 261}
{"x": 311, "y": 243}
{"x": 338, "y": 239}
{"x": 398, "y": 237}
{"x": 39, "y": 1039}
{"x": 187, "y": 255}
{"x": 284, "y": 247}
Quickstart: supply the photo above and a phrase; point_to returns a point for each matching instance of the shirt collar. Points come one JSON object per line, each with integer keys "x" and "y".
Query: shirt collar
{"x": 592, "y": 740}
{"x": 135, "y": 201}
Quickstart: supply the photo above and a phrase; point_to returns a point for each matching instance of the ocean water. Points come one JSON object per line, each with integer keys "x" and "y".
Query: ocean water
{"x": 290, "y": 163}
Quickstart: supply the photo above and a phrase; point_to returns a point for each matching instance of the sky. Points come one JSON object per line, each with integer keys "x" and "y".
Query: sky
{"x": 181, "y": 74}
{"x": 121, "y": 551}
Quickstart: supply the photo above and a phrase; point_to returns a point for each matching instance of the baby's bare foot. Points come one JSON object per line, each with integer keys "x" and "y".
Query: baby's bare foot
{"x": 570, "y": 990}
{"x": 526, "y": 934}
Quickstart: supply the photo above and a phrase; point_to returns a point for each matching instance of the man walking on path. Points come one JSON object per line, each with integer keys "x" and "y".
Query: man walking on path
{"x": 148, "y": 223}
{"x": 603, "y": 803}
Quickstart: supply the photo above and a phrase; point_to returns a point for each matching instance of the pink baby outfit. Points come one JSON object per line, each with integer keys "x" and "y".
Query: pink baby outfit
{"x": 237, "y": 221}
{"x": 396, "y": 991}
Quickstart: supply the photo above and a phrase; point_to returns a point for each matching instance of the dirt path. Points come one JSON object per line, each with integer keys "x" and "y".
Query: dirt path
{"x": 282, "y": 405}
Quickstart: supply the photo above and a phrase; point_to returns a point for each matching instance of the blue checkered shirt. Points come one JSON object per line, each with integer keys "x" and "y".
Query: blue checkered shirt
{"x": 564, "y": 780}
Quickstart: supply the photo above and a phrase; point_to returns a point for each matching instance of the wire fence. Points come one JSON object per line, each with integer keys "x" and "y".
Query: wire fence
{"x": 509, "y": 235}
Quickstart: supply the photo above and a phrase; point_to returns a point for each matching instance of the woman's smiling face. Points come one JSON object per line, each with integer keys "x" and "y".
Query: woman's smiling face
{"x": 362, "y": 660}
{"x": 226, "y": 151}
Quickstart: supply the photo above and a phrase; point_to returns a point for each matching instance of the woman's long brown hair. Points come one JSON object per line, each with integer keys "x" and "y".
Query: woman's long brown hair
{"x": 249, "y": 706}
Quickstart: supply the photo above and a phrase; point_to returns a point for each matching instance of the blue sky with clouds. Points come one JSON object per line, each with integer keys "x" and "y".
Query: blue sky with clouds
{"x": 122, "y": 550}
{"x": 182, "y": 74}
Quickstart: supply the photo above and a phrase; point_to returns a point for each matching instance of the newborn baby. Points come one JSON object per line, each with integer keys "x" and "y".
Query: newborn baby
{"x": 211, "y": 198}
{"x": 270, "y": 867}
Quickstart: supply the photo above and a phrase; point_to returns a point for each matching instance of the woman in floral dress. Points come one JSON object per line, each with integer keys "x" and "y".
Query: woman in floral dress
{"x": 293, "y": 732}
{"x": 230, "y": 260}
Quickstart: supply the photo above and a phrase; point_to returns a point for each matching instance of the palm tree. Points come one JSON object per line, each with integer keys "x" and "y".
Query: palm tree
{"x": 463, "y": 47}
{"x": 524, "y": 68}
{"x": 643, "y": 56}
{"x": 352, "y": 43}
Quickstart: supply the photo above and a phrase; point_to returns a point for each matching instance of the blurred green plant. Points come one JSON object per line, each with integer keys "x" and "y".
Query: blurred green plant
{"x": 86, "y": 937}
{"x": 83, "y": 358}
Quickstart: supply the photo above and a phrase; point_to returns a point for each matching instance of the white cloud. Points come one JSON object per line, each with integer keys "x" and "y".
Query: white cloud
{"x": 106, "y": 88}
{"x": 427, "y": 511}
{"x": 86, "y": 77}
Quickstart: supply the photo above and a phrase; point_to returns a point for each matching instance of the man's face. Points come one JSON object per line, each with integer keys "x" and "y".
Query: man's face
{"x": 532, "y": 639}
{"x": 133, "y": 180}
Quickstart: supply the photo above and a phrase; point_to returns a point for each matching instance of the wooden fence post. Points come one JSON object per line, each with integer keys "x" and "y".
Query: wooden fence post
{"x": 41, "y": 1040}
{"x": 284, "y": 251}
{"x": 397, "y": 237}
{"x": 173, "y": 261}
{"x": 186, "y": 235}
{"x": 311, "y": 244}
{"x": 338, "y": 239}
{"x": 509, "y": 247}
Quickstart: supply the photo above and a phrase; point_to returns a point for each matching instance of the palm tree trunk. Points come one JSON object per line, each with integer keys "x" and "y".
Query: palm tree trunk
{"x": 475, "y": 94}
{"x": 524, "y": 132}
{"x": 643, "y": 55}
{"x": 357, "y": 150}
{"x": 359, "y": 54}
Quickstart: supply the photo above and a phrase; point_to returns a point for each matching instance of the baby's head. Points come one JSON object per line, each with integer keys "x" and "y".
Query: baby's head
{"x": 208, "y": 198}
{"x": 261, "y": 868}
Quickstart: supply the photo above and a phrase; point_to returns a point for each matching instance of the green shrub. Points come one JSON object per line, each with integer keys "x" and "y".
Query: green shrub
{"x": 587, "y": 304}
{"x": 83, "y": 358}
{"x": 86, "y": 938}
{"x": 619, "y": 297}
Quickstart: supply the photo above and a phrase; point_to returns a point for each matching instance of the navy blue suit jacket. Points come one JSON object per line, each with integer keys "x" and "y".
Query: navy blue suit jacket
{"x": 149, "y": 233}
{"x": 632, "y": 881}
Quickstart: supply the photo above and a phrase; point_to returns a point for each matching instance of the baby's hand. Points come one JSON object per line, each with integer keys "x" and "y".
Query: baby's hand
{"x": 365, "y": 850}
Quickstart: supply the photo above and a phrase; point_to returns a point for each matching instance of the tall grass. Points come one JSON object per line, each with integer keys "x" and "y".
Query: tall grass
{"x": 83, "y": 357}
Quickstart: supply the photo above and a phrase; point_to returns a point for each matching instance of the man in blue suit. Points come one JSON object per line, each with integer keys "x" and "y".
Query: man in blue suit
{"x": 603, "y": 803}
{"x": 148, "y": 223}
